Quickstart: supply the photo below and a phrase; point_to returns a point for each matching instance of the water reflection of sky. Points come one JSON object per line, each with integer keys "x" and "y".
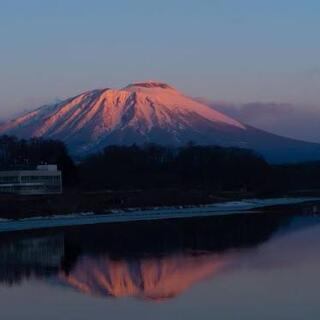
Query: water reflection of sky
{"x": 278, "y": 278}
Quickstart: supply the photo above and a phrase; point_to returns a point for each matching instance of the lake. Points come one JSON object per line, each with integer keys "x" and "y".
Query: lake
{"x": 262, "y": 265}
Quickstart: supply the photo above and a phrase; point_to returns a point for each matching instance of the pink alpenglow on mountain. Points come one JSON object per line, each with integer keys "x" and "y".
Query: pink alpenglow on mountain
{"x": 148, "y": 112}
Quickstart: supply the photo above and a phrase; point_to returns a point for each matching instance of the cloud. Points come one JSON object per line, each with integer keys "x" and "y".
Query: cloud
{"x": 295, "y": 121}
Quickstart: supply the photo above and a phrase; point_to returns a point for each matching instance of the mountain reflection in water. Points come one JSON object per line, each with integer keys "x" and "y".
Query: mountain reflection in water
{"x": 151, "y": 278}
{"x": 150, "y": 260}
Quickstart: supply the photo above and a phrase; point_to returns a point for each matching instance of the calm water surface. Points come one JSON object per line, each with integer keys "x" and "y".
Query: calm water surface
{"x": 258, "y": 266}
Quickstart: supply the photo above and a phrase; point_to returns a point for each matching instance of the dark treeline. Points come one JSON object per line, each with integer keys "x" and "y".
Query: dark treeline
{"x": 154, "y": 166}
{"x": 27, "y": 154}
{"x": 157, "y": 166}
{"x": 301, "y": 176}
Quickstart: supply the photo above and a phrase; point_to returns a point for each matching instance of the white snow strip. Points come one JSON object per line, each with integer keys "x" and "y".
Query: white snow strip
{"x": 89, "y": 218}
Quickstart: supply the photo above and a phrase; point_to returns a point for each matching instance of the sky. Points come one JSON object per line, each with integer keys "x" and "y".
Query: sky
{"x": 229, "y": 50}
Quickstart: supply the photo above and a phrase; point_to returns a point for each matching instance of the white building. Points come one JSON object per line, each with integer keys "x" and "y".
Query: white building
{"x": 46, "y": 179}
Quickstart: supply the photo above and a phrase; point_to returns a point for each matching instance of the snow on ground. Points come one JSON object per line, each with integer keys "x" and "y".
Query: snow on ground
{"x": 136, "y": 214}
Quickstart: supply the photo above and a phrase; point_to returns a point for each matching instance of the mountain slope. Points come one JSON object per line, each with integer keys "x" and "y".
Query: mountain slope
{"x": 148, "y": 112}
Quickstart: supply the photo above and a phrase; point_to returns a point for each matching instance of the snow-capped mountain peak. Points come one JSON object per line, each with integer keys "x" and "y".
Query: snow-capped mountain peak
{"x": 91, "y": 117}
{"x": 150, "y": 84}
{"x": 142, "y": 112}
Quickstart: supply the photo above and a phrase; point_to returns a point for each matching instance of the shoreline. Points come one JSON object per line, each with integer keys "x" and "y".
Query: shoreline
{"x": 158, "y": 213}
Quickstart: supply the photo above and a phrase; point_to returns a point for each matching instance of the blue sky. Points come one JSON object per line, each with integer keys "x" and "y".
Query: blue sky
{"x": 233, "y": 50}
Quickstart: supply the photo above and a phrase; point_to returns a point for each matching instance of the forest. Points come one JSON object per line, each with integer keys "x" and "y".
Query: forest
{"x": 155, "y": 166}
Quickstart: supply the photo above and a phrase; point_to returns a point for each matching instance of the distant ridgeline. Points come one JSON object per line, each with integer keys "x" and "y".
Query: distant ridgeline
{"x": 155, "y": 166}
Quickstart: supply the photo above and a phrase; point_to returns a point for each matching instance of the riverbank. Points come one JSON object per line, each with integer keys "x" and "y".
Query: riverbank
{"x": 104, "y": 201}
{"x": 137, "y": 214}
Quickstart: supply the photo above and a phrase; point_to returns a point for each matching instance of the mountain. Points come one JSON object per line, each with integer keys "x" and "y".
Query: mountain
{"x": 149, "y": 112}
